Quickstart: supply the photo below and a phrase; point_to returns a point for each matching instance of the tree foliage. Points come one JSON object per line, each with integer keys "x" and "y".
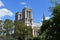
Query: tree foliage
{"x": 56, "y": 20}
{"x": 8, "y": 24}
{"x": 21, "y": 30}
{"x": 51, "y": 28}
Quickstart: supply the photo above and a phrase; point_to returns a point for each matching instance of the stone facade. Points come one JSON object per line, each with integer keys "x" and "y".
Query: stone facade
{"x": 35, "y": 28}
{"x": 25, "y": 16}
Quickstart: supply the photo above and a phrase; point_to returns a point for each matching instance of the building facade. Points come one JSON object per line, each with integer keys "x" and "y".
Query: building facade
{"x": 35, "y": 29}
{"x": 25, "y": 16}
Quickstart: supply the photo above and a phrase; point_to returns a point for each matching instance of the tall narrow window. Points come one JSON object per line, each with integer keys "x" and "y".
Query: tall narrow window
{"x": 29, "y": 14}
{"x": 20, "y": 16}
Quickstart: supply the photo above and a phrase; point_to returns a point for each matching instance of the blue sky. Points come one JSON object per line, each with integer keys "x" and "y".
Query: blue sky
{"x": 8, "y": 8}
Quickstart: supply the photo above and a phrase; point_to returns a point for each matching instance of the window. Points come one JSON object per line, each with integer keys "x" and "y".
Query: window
{"x": 29, "y": 14}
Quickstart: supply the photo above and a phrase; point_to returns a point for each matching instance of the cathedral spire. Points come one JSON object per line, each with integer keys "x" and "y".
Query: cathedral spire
{"x": 43, "y": 16}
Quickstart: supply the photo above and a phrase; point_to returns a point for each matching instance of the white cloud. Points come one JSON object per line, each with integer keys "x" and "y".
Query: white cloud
{"x": 4, "y": 12}
{"x": 46, "y": 18}
{"x": 22, "y": 3}
{"x": 1, "y": 4}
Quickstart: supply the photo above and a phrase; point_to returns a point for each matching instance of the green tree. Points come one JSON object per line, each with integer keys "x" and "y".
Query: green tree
{"x": 45, "y": 25}
{"x": 22, "y": 31}
{"x": 53, "y": 25}
{"x": 1, "y": 30}
{"x": 36, "y": 38}
{"x": 56, "y": 20}
{"x": 0, "y": 27}
{"x": 8, "y": 24}
{"x": 47, "y": 30}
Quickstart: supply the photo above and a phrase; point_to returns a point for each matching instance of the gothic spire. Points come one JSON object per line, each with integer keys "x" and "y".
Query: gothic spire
{"x": 43, "y": 16}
